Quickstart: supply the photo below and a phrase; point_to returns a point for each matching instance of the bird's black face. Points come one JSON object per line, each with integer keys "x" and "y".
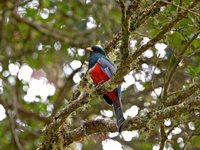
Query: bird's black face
{"x": 96, "y": 49}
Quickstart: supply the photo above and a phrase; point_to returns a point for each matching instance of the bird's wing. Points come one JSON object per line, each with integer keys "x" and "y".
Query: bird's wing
{"x": 107, "y": 66}
{"x": 109, "y": 69}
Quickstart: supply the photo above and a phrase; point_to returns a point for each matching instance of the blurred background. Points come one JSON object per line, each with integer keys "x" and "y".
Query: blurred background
{"x": 42, "y": 59}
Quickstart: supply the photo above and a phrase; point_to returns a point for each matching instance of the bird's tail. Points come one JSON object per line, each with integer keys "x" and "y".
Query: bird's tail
{"x": 119, "y": 114}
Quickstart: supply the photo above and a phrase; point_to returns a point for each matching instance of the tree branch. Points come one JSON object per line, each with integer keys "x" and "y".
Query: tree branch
{"x": 132, "y": 8}
{"x": 2, "y": 16}
{"x": 97, "y": 126}
{"x": 124, "y": 66}
{"x": 125, "y": 31}
{"x": 53, "y": 33}
{"x": 13, "y": 130}
{"x": 26, "y": 113}
{"x": 152, "y": 10}
{"x": 51, "y": 133}
{"x": 45, "y": 30}
{"x": 51, "y": 130}
{"x": 163, "y": 135}
{"x": 180, "y": 97}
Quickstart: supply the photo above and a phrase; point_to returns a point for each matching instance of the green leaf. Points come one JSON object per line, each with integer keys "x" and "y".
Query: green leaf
{"x": 196, "y": 43}
{"x": 196, "y": 141}
{"x": 153, "y": 32}
{"x": 176, "y": 40}
{"x": 194, "y": 71}
{"x": 172, "y": 61}
{"x": 197, "y": 127}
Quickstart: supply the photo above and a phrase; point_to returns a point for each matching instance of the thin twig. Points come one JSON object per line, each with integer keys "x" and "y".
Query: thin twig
{"x": 162, "y": 135}
{"x": 153, "y": 73}
{"x": 181, "y": 7}
{"x": 20, "y": 3}
{"x": 171, "y": 72}
{"x": 63, "y": 92}
{"x": 13, "y": 129}
{"x": 179, "y": 98}
{"x": 189, "y": 139}
{"x": 193, "y": 53}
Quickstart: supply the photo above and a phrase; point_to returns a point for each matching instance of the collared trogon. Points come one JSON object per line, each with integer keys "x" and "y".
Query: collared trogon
{"x": 101, "y": 70}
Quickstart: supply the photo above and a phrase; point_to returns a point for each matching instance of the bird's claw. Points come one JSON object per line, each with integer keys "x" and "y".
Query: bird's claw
{"x": 98, "y": 88}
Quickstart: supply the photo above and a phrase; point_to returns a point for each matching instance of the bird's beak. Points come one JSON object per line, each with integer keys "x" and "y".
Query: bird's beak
{"x": 89, "y": 49}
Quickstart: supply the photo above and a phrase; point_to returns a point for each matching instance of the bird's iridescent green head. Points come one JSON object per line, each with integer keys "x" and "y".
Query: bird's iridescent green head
{"x": 96, "y": 49}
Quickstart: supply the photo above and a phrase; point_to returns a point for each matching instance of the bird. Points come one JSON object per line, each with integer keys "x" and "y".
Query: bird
{"x": 100, "y": 70}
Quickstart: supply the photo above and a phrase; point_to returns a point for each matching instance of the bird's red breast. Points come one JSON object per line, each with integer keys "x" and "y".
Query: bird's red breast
{"x": 99, "y": 76}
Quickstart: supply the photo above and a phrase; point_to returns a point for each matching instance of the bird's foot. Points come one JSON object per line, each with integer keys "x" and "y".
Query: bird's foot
{"x": 99, "y": 88}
